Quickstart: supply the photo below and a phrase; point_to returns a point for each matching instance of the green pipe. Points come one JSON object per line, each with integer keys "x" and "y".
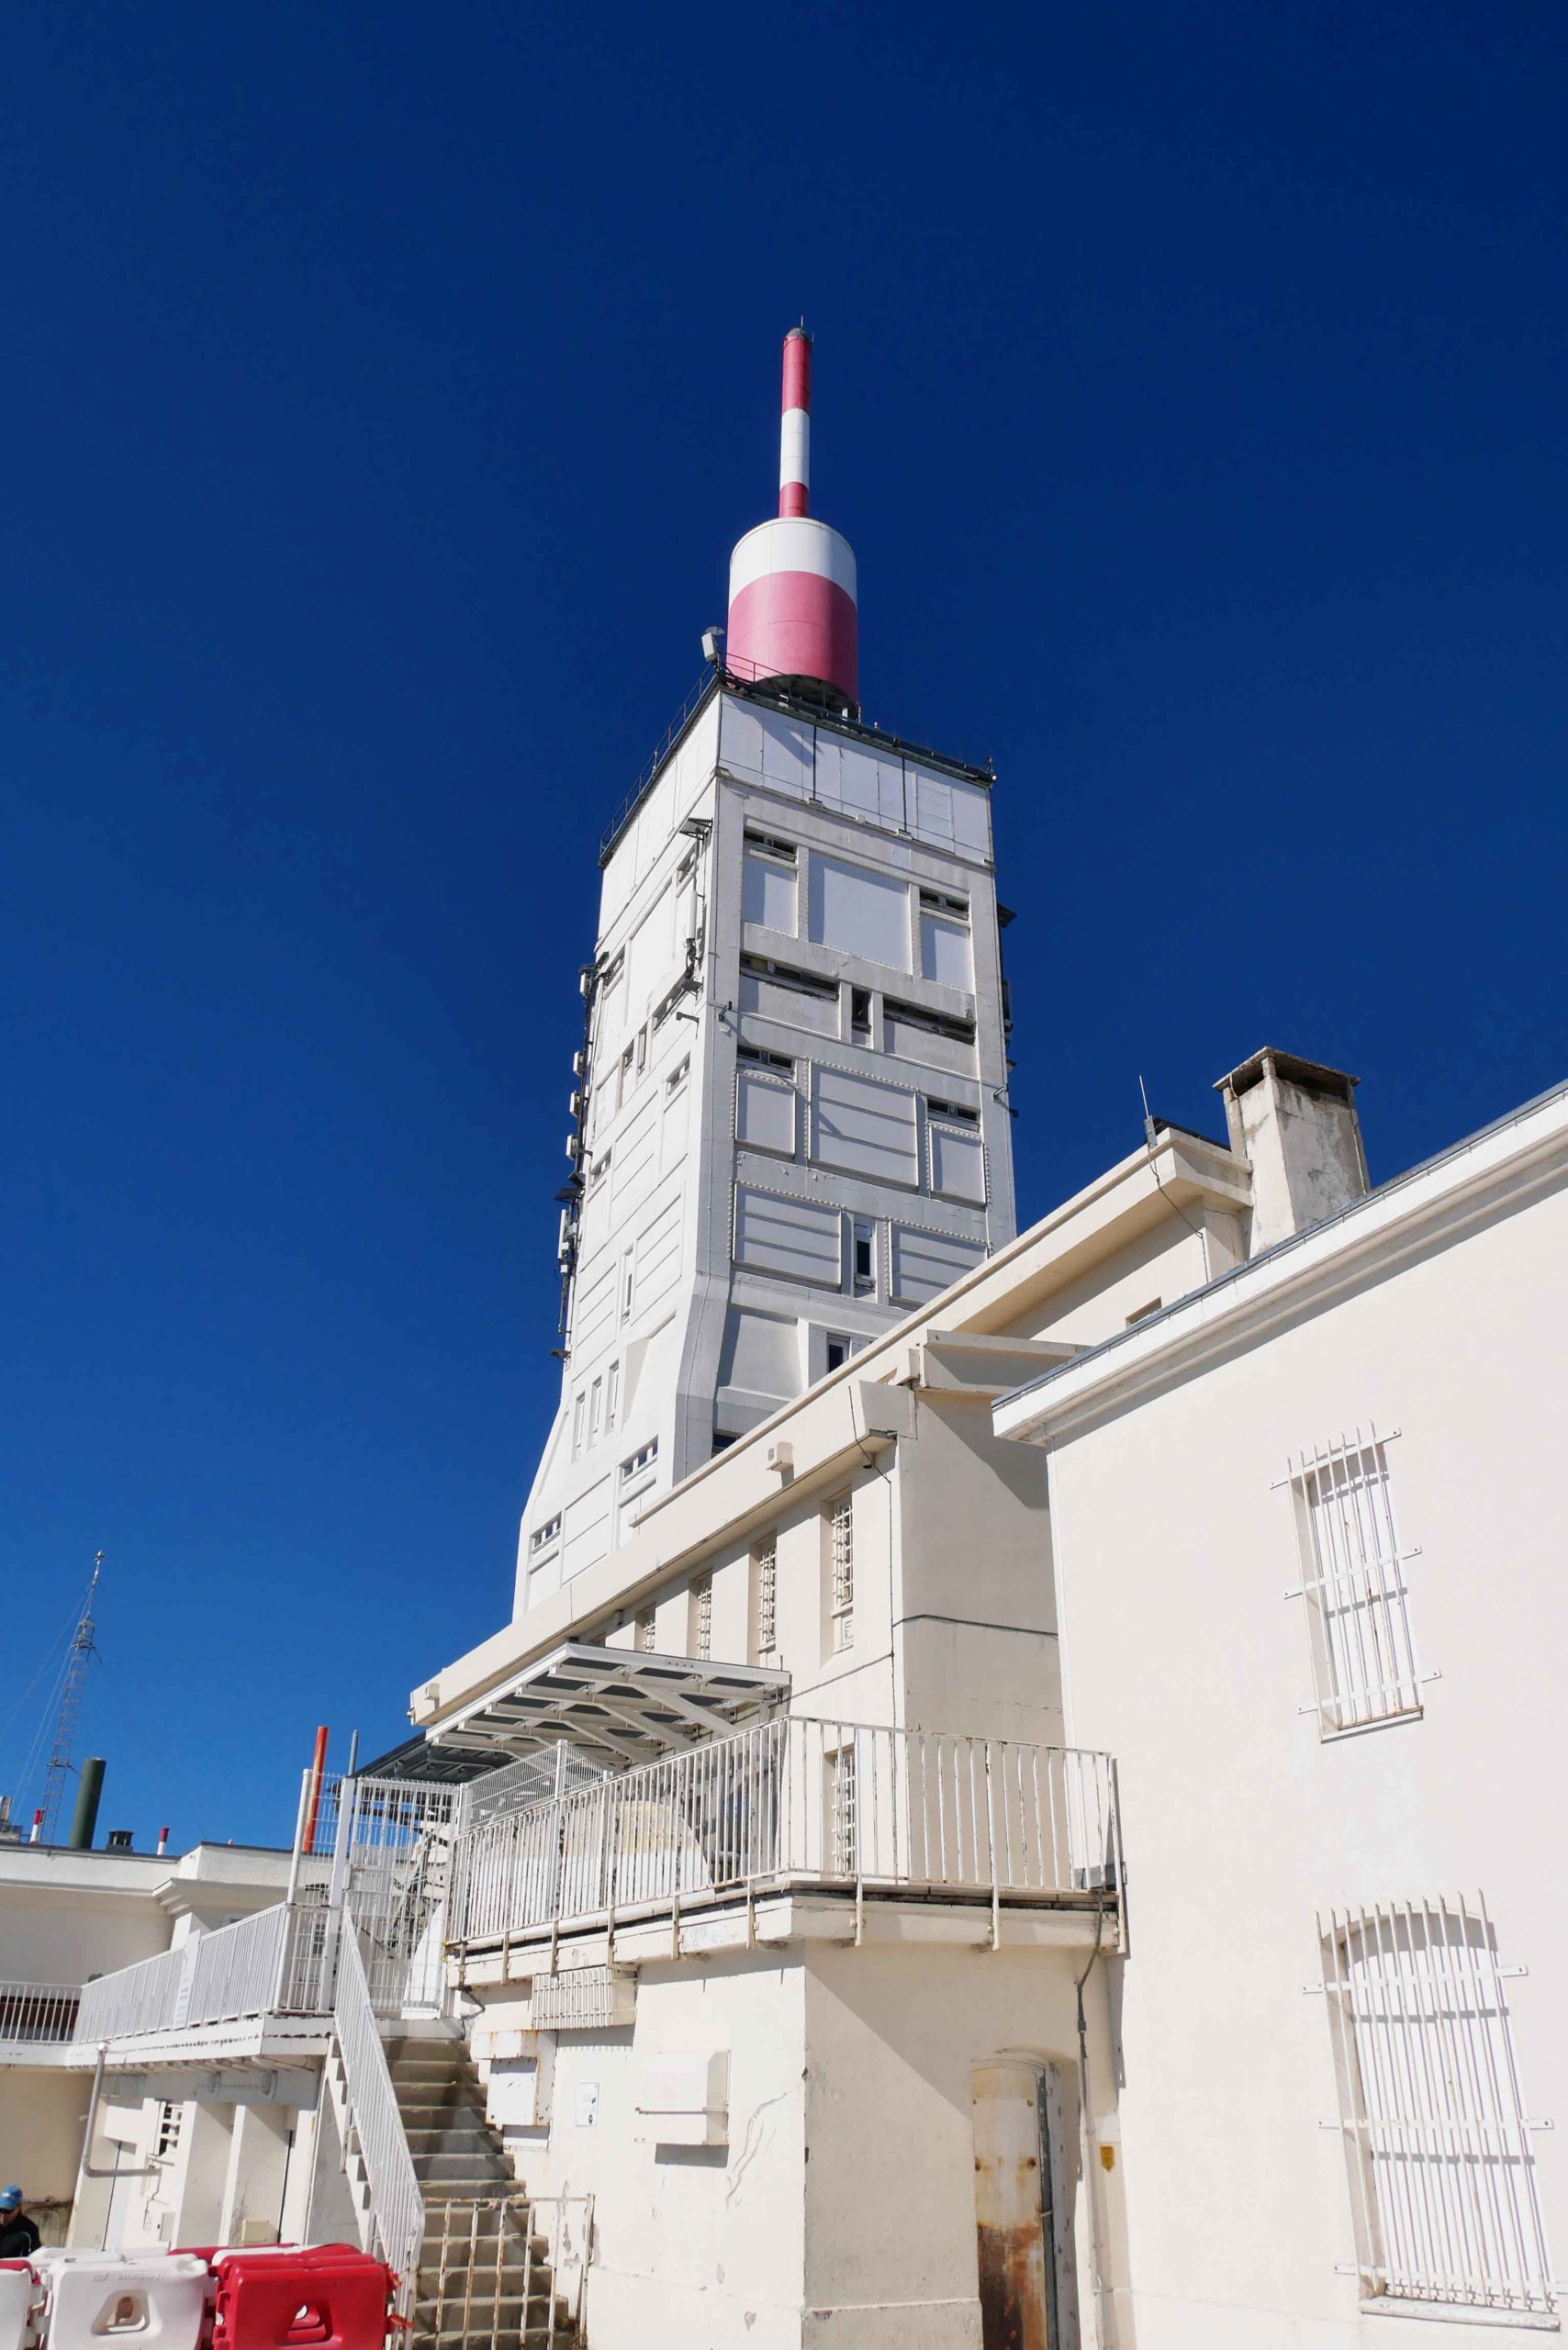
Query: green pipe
{"x": 85, "y": 1818}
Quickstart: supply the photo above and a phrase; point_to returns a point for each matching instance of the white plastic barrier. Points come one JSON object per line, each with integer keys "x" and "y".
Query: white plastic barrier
{"x": 19, "y": 2288}
{"x": 145, "y": 2300}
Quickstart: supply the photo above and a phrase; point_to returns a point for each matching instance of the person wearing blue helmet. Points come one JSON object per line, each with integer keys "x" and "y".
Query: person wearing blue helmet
{"x": 19, "y": 2238}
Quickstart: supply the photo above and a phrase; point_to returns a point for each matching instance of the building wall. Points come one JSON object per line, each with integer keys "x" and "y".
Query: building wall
{"x": 742, "y": 1133}
{"x": 1175, "y": 1546}
{"x": 842, "y": 2208}
{"x": 41, "y": 2109}
{"x": 693, "y": 2243}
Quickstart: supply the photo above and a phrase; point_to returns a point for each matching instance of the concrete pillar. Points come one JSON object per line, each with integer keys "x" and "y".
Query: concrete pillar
{"x": 254, "y": 2179}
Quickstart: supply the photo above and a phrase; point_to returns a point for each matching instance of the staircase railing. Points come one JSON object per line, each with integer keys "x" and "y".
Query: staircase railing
{"x": 396, "y": 2207}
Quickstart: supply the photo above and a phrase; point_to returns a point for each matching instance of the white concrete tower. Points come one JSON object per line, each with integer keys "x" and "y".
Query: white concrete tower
{"x": 791, "y": 1111}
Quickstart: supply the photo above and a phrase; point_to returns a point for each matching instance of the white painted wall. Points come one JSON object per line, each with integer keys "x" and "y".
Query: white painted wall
{"x": 1173, "y": 1550}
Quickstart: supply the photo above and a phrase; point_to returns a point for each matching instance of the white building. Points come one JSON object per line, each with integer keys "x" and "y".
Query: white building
{"x": 1022, "y": 1831}
{"x": 66, "y": 1918}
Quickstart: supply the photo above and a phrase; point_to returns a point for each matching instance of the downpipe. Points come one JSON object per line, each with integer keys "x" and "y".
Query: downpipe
{"x": 1086, "y": 2144}
{"x": 95, "y": 2170}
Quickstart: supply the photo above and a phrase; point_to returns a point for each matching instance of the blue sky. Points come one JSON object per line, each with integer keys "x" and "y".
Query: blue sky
{"x": 384, "y": 390}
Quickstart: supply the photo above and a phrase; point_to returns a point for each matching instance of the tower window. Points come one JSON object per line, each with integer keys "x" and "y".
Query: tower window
{"x": 860, "y": 1015}
{"x": 645, "y": 1631}
{"x": 862, "y": 1258}
{"x": 838, "y": 1350}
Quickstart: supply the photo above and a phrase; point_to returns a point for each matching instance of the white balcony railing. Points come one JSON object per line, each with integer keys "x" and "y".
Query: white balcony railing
{"x": 273, "y": 1964}
{"x": 796, "y": 1801}
{"x": 38, "y": 2014}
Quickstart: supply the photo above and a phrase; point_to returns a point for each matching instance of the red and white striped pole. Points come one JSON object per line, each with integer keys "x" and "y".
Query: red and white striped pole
{"x": 795, "y": 425}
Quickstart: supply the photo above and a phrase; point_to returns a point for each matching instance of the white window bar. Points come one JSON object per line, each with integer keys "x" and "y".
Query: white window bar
{"x": 645, "y": 1631}
{"x": 1363, "y": 1657}
{"x": 841, "y": 1540}
{"x": 764, "y": 1566}
{"x": 843, "y": 1839}
{"x": 702, "y": 1618}
{"x": 1441, "y": 2166}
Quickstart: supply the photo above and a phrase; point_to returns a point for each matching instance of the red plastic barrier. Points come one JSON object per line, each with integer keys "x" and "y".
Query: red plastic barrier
{"x": 322, "y": 2296}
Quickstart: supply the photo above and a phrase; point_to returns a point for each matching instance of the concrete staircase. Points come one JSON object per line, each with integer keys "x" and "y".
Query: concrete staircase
{"x": 484, "y": 2282}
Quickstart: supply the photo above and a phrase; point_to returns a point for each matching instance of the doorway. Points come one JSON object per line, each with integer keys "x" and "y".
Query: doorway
{"x": 1023, "y": 2208}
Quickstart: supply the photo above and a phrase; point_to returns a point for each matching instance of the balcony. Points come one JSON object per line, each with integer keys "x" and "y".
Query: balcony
{"x": 37, "y": 2021}
{"x": 260, "y": 1989}
{"x": 809, "y": 1818}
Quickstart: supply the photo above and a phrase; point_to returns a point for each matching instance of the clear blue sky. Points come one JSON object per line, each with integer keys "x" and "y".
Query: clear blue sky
{"x": 384, "y": 389}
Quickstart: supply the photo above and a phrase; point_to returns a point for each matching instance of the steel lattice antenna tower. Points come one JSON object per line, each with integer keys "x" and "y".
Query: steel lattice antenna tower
{"x": 60, "y": 1762}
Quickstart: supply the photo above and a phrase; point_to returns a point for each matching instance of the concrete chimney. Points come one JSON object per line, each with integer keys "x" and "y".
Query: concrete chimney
{"x": 1294, "y": 1122}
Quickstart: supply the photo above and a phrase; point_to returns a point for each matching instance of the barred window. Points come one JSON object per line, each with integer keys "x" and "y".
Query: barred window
{"x": 166, "y": 2143}
{"x": 842, "y": 1824}
{"x": 644, "y": 1633}
{"x": 1442, "y": 2171}
{"x": 1364, "y": 1659}
{"x": 764, "y": 1585}
{"x": 702, "y": 1618}
{"x": 841, "y": 1571}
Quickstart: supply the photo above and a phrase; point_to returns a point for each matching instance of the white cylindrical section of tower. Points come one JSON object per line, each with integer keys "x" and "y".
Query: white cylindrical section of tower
{"x": 793, "y": 591}
{"x": 795, "y": 448}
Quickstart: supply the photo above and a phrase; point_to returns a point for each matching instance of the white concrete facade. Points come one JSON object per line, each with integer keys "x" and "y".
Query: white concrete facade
{"x": 1169, "y": 1379}
{"x": 1431, "y": 1314}
{"x": 791, "y": 1103}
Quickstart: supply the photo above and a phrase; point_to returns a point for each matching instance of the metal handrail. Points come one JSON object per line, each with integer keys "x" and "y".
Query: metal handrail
{"x": 277, "y": 1962}
{"x": 40, "y": 2014}
{"x": 834, "y": 1803}
{"x": 396, "y": 2206}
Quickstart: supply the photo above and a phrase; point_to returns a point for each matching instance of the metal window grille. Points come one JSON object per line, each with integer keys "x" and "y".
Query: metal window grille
{"x": 766, "y": 1565}
{"x": 841, "y": 1539}
{"x": 843, "y": 1839}
{"x": 1441, "y": 2166}
{"x": 1363, "y": 1657}
{"x": 169, "y": 2118}
{"x": 702, "y": 1596}
{"x": 645, "y": 1631}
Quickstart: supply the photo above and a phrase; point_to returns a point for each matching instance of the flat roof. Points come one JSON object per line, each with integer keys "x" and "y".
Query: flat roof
{"x": 702, "y": 693}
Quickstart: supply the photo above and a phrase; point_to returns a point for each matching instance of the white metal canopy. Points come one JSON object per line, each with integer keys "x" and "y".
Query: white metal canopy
{"x": 626, "y": 1705}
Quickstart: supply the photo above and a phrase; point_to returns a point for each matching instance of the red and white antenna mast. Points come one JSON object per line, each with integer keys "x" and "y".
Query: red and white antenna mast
{"x": 794, "y": 619}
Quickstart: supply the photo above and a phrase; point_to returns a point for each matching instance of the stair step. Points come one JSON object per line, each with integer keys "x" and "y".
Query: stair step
{"x": 479, "y": 2168}
{"x": 487, "y": 2309}
{"x": 537, "y": 2337}
{"x": 458, "y": 2135}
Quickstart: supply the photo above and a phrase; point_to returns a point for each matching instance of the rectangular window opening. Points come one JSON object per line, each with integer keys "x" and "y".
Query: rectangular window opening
{"x": 1354, "y": 1586}
{"x": 764, "y": 1586}
{"x": 863, "y": 1258}
{"x": 702, "y": 1618}
{"x": 1443, "y": 2167}
{"x": 843, "y": 1822}
{"x": 840, "y": 1572}
{"x": 643, "y": 1458}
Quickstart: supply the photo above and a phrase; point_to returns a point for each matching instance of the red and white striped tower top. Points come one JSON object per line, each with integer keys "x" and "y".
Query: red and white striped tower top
{"x": 793, "y": 614}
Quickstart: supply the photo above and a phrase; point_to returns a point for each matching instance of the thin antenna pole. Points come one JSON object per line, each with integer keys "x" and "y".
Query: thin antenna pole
{"x": 60, "y": 1762}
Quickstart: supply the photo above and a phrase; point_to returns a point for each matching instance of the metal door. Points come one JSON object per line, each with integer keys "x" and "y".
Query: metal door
{"x": 1023, "y": 2238}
